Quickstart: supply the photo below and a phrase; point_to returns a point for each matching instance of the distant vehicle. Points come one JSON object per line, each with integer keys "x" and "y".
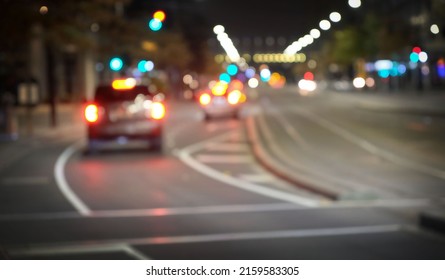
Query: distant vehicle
{"x": 222, "y": 100}
{"x": 124, "y": 111}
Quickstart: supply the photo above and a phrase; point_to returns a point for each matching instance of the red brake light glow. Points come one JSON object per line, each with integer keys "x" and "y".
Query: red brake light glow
{"x": 205, "y": 99}
{"x": 157, "y": 110}
{"x": 91, "y": 113}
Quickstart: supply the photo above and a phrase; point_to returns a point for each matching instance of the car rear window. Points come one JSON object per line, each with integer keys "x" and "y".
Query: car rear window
{"x": 106, "y": 94}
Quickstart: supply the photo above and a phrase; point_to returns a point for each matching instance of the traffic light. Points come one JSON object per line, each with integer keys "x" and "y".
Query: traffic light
{"x": 116, "y": 64}
{"x": 155, "y": 24}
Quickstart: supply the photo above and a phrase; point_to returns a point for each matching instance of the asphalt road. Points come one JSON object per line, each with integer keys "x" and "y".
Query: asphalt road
{"x": 205, "y": 197}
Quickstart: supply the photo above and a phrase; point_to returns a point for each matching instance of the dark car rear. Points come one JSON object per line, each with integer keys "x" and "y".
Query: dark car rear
{"x": 124, "y": 114}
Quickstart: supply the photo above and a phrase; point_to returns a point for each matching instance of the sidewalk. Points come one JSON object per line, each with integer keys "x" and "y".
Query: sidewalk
{"x": 69, "y": 126}
{"x": 267, "y": 150}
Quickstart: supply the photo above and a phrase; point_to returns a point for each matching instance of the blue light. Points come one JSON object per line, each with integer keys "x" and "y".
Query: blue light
{"x": 232, "y": 69}
{"x": 384, "y": 73}
{"x": 116, "y": 64}
{"x": 141, "y": 66}
{"x": 414, "y": 57}
{"x": 149, "y": 65}
{"x": 225, "y": 78}
{"x": 441, "y": 71}
{"x": 265, "y": 75}
{"x": 155, "y": 24}
{"x": 401, "y": 69}
{"x": 250, "y": 73}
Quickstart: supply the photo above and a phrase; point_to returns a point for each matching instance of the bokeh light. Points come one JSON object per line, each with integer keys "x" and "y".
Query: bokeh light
{"x": 325, "y": 25}
{"x": 218, "y": 29}
{"x": 159, "y": 15}
{"x": 315, "y": 33}
{"x": 335, "y": 17}
{"x": 224, "y": 77}
{"x": 155, "y": 24}
{"x": 253, "y": 83}
{"x": 232, "y": 69}
{"x": 359, "y": 82}
{"x": 116, "y": 64}
{"x": 434, "y": 29}
{"x": 355, "y": 3}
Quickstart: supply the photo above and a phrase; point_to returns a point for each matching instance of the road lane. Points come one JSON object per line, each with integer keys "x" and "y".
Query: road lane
{"x": 150, "y": 205}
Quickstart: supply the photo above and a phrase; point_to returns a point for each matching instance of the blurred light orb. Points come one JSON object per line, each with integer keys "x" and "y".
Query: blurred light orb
{"x": 423, "y": 57}
{"x": 43, "y": 10}
{"x": 414, "y": 57}
{"x": 224, "y": 77}
{"x": 307, "y": 85}
{"x": 359, "y": 82}
{"x": 434, "y": 29}
{"x": 335, "y": 17}
{"x": 355, "y": 3}
{"x": 250, "y": 73}
{"x": 401, "y": 69}
{"x": 308, "y": 39}
{"x": 370, "y": 82}
{"x": 95, "y": 27}
{"x": 141, "y": 66}
{"x": 232, "y": 69}
{"x": 116, "y": 64}
{"x": 325, "y": 24}
{"x": 155, "y": 24}
{"x": 253, "y": 83}
{"x": 315, "y": 33}
{"x": 265, "y": 75}
{"x": 218, "y": 29}
{"x": 187, "y": 79}
{"x": 312, "y": 64}
{"x": 159, "y": 15}
{"x": 149, "y": 65}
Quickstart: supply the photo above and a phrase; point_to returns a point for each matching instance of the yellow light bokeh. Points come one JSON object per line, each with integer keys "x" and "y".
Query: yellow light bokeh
{"x": 159, "y": 15}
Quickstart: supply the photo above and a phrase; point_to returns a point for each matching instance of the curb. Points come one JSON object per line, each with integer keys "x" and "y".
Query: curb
{"x": 273, "y": 165}
{"x": 433, "y": 219}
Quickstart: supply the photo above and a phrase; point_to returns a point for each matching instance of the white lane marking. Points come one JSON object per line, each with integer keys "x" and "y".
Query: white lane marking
{"x": 371, "y": 148}
{"x": 17, "y": 181}
{"x": 218, "y": 158}
{"x": 80, "y": 249}
{"x": 301, "y": 233}
{"x": 227, "y": 147}
{"x": 135, "y": 253}
{"x": 257, "y": 178}
{"x": 186, "y": 157}
{"x": 223, "y": 209}
{"x": 59, "y": 175}
{"x": 112, "y": 245}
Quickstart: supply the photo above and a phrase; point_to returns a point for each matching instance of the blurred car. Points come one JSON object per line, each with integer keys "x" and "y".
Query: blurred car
{"x": 124, "y": 111}
{"x": 222, "y": 100}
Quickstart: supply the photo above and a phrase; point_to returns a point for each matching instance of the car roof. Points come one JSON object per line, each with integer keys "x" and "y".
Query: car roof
{"x": 106, "y": 93}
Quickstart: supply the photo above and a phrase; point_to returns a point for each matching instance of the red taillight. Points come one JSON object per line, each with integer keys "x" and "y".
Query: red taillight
{"x": 234, "y": 97}
{"x": 205, "y": 99}
{"x": 91, "y": 113}
{"x": 157, "y": 110}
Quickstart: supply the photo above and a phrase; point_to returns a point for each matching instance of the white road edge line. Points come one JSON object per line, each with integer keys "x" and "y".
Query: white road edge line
{"x": 62, "y": 184}
{"x": 116, "y": 245}
{"x": 80, "y": 249}
{"x": 185, "y": 156}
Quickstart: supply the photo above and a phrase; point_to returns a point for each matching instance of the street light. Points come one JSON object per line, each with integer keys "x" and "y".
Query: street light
{"x": 355, "y": 3}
